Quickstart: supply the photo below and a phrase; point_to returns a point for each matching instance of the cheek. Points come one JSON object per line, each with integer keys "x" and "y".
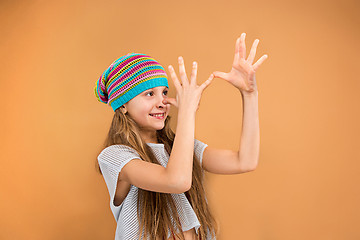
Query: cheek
{"x": 145, "y": 113}
{"x": 142, "y": 118}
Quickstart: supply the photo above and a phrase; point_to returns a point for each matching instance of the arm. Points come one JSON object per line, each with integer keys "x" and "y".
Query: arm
{"x": 188, "y": 97}
{"x": 241, "y": 76}
{"x": 250, "y": 135}
{"x": 177, "y": 176}
{"x": 179, "y": 167}
{"x": 224, "y": 161}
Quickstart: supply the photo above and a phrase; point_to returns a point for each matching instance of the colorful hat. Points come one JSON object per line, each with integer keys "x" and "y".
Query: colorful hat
{"x": 127, "y": 77}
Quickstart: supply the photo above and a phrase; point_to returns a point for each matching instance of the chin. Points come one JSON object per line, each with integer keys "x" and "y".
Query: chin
{"x": 159, "y": 128}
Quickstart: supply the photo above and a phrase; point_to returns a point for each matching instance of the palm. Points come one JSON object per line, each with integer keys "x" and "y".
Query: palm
{"x": 242, "y": 73}
{"x": 241, "y": 76}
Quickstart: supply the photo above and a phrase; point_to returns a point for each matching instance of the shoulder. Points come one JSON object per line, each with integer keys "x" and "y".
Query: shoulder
{"x": 199, "y": 148}
{"x": 117, "y": 151}
{"x": 199, "y": 144}
{"x": 117, "y": 148}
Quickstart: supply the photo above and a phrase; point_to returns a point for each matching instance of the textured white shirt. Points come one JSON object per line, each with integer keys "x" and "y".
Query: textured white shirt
{"x": 112, "y": 159}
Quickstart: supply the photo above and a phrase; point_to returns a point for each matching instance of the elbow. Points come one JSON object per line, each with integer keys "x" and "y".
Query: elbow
{"x": 188, "y": 186}
{"x": 246, "y": 163}
{"x": 181, "y": 185}
{"x": 252, "y": 168}
{"x": 247, "y": 169}
{"x": 249, "y": 166}
{"x": 185, "y": 185}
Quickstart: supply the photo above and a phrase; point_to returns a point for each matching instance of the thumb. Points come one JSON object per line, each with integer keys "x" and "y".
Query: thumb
{"x": 220, "y": 75}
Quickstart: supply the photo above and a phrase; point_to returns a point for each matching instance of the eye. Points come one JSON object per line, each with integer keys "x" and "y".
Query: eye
{"x": 166, "y": 92}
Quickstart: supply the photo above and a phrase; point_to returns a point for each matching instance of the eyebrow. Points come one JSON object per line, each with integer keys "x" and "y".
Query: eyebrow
{"x": 164, "y": 88}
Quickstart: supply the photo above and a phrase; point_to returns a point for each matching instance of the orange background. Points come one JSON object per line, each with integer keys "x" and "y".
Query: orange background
{"x": 52, "y": 126}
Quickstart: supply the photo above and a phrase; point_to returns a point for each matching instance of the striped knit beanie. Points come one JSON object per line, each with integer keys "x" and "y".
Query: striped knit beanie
{"x": 127, "y": 77}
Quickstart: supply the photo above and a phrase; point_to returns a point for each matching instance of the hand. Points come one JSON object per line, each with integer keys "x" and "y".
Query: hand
{"x": 187, "y": 94}
{"x": 242, "y": 74}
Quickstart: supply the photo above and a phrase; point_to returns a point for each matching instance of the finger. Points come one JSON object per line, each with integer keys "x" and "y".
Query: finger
{"x": 193, "y": 74}
{"x": 259, "y": 62}
{"x": 221, "y": 75}
{"x": 171, "y": 101}
{"x": 206, "y": 83}
{"x": 237, "y": 49}
{"x": 252, "y": 53}
{"x": 242, "y": 50}
{"x": 183, "y": 77}
{"x": 175, "y": 79}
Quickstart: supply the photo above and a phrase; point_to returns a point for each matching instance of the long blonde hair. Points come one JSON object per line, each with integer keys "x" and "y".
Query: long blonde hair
{"x": 155, "y": 208}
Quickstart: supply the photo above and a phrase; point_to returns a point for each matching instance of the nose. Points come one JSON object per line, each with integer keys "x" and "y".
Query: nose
{"x": 160, "y": 103}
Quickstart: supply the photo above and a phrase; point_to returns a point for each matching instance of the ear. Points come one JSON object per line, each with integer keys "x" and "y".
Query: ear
{"x": 123, "y": 109}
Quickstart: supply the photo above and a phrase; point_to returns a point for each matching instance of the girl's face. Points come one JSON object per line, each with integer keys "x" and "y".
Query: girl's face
{"x": 149, "y": 102}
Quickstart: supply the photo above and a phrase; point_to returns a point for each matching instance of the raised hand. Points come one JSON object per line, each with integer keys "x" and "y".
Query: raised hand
{"x": 187, "y": 94}
{"x": 242, "y": 74}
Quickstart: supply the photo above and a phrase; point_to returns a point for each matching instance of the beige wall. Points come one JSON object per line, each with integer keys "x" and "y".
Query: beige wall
{"x": 52, "y": 126}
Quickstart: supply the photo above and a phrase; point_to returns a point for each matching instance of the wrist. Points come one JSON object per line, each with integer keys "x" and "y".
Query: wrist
{"x": 185, "y": 111}
{"x": 254, "y": 93}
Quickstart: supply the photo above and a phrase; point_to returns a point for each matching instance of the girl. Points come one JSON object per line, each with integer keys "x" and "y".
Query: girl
{"x": 154, "y": 177}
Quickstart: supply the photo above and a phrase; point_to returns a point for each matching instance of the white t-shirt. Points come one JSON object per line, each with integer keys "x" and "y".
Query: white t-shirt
{"x": 112, "y": 159}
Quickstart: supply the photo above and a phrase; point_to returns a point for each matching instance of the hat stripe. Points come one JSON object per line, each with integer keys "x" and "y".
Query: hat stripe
{"x": 125, "y": 62}
{"x": 134, "y": 80}
{"x": 101, "y": 96}
{"x": 119, "y": 82}
{"x": 132, "y": 66}
{"x": 120, "y": 94}
{"x": 127, "y": 77}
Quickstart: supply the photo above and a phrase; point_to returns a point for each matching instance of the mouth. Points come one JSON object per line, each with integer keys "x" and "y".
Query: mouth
{"x": 158, "y": 116}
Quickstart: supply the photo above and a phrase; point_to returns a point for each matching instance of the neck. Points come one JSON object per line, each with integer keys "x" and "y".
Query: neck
{"x": 149, "y": 136}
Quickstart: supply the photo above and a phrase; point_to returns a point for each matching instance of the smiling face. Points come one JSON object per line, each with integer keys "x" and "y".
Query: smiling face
{"x": 148, "y": 102}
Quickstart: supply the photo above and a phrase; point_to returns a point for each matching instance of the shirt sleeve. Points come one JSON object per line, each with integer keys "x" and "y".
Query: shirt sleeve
{"x": 199, "y": 148}
{"x": 111, "y": 160}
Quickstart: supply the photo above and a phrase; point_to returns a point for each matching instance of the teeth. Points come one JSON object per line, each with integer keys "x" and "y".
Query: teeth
{"x": 157, "y": 115}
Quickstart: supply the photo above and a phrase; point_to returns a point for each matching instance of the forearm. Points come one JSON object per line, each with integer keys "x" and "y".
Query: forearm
{"x": 181, "y": 158}
{"x": 250, "y": 133}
